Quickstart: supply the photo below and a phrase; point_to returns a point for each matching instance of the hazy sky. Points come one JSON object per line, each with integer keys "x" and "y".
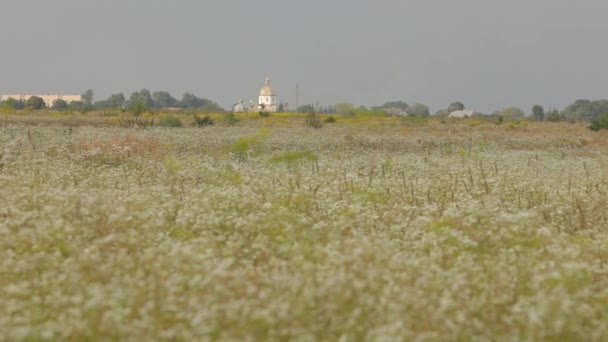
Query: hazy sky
{"x": 488, "y": 54}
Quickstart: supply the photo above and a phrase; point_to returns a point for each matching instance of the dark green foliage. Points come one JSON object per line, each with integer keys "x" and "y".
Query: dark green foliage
{"x": 307, "y": 109}
{"x": 554, "y": 115}
{"x": 313, "y": 120}
{"x": 231, "y": 118}
{"x": 138, "y": 106}
{"x": 454, "y": 106}
{"x": 203, "y": 121}
{"x": 395, "y": 104}
{"x": 538, "y": 113}
{"x": 585, "y": 110}
{"x": 162, "y": 99}
{"x": 115, "y": 101}
{"x": 264, "y": 113}
{"x": 329, "y": 119}
{"x": 60, "y": 105}
{"x": 419, "y": 109}
{"x": 35, "y": 102}
{"x": 170, "y": 121}
{"x": 600, "y": 123}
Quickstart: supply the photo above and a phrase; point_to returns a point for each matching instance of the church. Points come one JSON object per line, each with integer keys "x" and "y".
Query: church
{"x": 267, "y": 101}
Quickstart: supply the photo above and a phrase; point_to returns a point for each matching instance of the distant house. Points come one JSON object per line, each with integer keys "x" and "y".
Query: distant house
{"x": 48, "y": 99}
{"x": 239, "y": 107}
{"x": 461, "y": 114}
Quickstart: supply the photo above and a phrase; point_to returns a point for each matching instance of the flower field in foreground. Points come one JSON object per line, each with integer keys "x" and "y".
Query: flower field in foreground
{"x": 356, "y": 231}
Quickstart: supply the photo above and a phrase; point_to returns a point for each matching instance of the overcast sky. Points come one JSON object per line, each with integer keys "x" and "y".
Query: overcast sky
{"x": 489, "y": 54}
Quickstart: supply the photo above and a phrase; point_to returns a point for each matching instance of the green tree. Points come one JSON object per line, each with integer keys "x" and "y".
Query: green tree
{"x": 395, "y": 104}
{"x": 510, "y": 113}
{"x": 538, "y": 113}
{"x": 419, "y": 109}
{"x": 60, "y": 105}
{"x": 115, "y": 101}
{"x": 190, "y": 100}
{"x": 554, "y": 115}
{"x": 456, "y": 105}
{"x": 76, "y": 106}
{"x": 162, "y": 99}
{"x": 142, "y": 96}
{"x": 138, "y": 106}
{"x": 87, "y": 97}
{"x": 585, "y": 110}
{"x": 36, "y": 103}
{"x": 307, "y": 109}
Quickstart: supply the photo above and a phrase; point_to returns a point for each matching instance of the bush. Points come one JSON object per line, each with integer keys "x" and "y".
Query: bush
{"x": 231, "y": 118}
{"x": 264, "y": 113}
{"x": 204, "y": 121}
{"x": 170, "y": 121}
{"x": 330, "y": 119}
{"x": 600, "y": 123}
{"x": 135, "y": 122}
{"x": 312, "y": 120}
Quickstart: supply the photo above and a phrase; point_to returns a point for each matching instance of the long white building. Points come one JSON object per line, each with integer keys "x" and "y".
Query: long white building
{"x": 48, "y": 99}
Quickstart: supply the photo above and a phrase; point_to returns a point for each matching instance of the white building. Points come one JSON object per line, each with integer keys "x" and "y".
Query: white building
{"x": 461, "y": 114}
{"x": 48, "y": 99}
{"x": 267, "y": 100}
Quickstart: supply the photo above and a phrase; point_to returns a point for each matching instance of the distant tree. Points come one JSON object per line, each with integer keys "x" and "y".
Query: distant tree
{"x": 142, "y": 96}
{"x": 281, "y": 108}
{"x": 87, "y": 97}
{"x": 36, "y": 103}
{"x": 60, "y": 105}
{"x": 163, "y": 99}
{"x": 554, "y": 115}
{"x": 456, "y": 105}
{"x": 395, "y": 104}
{"x": 87, "y": 101}
{"x": 538, "y": 113}
{"x": 308, "y": 109}
{"x": 76, "y": 106}
{"x": 344, "y": 108}
{"x": 418, "y": 109}
{"x": 510, "y": 113}
{"x": 211, "y": 107}
{"x": 116, "y": 101}
{"x": 138, "y": 106}
{"x": 189, "y": 100}
{"x": 585, "y": 110}
{"x": 11, "y": 104}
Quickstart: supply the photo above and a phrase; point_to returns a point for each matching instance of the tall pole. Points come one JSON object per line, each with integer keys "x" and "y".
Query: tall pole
{"x": 297, "y": 97}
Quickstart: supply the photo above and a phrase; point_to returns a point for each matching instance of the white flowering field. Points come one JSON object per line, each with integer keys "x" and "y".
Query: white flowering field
{"x": 271, "y": 230}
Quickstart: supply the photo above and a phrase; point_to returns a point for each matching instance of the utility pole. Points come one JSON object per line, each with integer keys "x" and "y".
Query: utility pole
{"x": 297, "y": 97}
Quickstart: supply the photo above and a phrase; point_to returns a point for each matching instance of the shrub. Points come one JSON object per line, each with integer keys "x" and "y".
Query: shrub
{"x": 170, "y": 121}
{"x": 231, "y": 118}
{"x": 204, "y": 121}
{"x": 135, "y": 122}
{"x": 264, "y": 113}
{"x": 330, "y": 119}
{"x": 312, "y": 120}
{"x": 600, "y": 123}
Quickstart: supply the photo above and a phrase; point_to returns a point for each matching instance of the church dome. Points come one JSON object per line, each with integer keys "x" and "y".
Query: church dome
{"x": 266, "y": 89}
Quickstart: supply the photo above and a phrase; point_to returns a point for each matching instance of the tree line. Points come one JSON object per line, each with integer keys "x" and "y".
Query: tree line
{"x": 580, "y": 110}
{"x": 139, "y": 102}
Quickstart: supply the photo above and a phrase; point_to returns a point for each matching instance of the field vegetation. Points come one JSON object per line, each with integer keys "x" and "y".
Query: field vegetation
{"x": 242, "y": 227}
